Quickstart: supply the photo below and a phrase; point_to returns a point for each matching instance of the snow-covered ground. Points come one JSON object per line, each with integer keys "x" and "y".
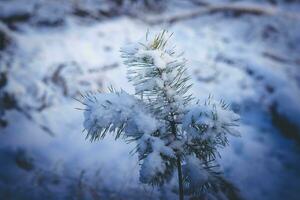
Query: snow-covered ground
{"x": 252, "y": 62}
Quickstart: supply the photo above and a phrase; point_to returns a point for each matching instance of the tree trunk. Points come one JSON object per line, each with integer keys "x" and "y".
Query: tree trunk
{"x": 180, "y": 181}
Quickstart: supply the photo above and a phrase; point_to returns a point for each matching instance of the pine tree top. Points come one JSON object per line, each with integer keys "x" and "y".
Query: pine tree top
{"x": 170, "y": 130}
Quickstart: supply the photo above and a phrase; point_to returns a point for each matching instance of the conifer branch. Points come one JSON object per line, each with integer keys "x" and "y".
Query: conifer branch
{"x": 171, "y": 131}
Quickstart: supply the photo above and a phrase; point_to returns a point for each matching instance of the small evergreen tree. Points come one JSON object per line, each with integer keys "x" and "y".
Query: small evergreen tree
{"x": 174, "y": 133}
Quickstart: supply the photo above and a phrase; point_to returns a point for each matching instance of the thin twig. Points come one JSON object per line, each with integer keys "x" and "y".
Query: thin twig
{"x": 238, "y": 8}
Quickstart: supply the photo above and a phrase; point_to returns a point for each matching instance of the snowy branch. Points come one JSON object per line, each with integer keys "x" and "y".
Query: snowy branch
{"x": 170, "y": 132}
{"x": 117, "y": 112}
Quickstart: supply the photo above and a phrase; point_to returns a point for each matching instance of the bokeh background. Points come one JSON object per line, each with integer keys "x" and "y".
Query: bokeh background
{"x": 245, "y": 52}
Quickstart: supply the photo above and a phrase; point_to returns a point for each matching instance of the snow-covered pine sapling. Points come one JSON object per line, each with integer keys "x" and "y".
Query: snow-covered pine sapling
{"x": 176, "y": 136}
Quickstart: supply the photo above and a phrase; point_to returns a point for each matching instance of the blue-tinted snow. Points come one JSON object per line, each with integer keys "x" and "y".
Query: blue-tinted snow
{"x": 252, "y": 62}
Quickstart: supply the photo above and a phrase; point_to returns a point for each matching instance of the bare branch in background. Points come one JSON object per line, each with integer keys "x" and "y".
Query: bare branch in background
{"x": 41, "y": 126}
{"x": 236, "y": 8}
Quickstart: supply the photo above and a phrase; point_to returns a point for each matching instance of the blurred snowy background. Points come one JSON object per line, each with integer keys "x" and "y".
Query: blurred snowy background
{"x": 245, "y": 52}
